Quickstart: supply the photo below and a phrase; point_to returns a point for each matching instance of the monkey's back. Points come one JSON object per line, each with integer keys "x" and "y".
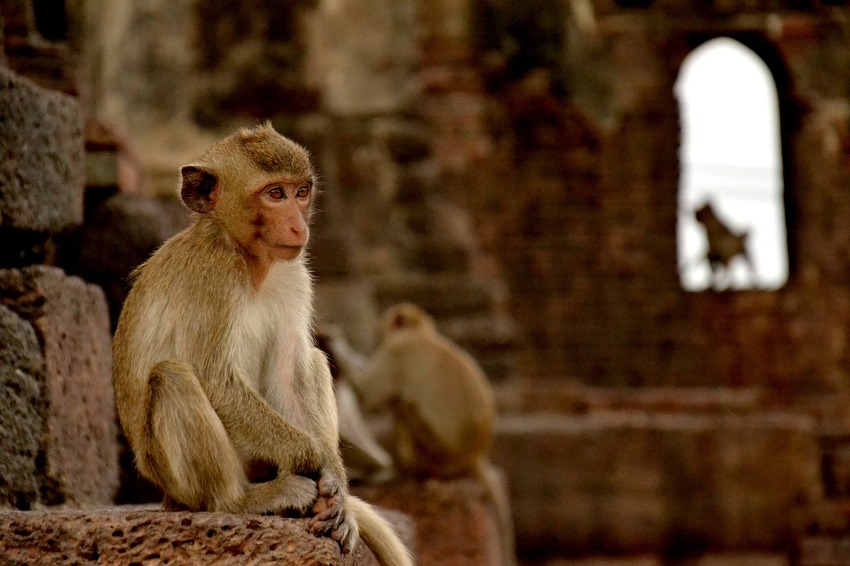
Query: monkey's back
{"x": 168, "y": 314}
{"x": 451, "y": 394}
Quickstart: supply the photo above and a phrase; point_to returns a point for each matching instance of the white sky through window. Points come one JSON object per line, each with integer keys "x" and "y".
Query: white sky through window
{"x": 731, "y": 155}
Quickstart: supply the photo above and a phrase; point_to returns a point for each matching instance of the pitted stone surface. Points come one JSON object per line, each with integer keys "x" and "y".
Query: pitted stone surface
{"x": 145, "y": 536}
{"x": 456, "y": 524}
{"x": 41, "y": 157}
{"x": 79, "y": 437}
{"x": 21, "y": 368}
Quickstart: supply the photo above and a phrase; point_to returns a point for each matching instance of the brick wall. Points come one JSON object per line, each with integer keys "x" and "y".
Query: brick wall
{"x": 573, "y": 173}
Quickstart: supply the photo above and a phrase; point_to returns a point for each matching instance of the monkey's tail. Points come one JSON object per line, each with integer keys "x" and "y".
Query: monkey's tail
{"x": 496, "y": 491}
{"x": 379, "y": 535}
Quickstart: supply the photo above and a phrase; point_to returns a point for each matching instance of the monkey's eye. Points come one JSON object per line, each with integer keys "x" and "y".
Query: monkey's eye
{"x": 276, "y": 193}
{"x": 303, "y": 191}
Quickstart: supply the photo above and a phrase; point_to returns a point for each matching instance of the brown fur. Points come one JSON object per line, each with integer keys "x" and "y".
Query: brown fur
{"x": 226, "y": 403}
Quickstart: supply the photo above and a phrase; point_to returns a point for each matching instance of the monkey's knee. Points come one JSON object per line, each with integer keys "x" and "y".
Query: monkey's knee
{"x": 188, "y": 452}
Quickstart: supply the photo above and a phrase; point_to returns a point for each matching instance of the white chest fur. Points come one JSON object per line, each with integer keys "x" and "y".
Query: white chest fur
{"x": 271, "y": 337}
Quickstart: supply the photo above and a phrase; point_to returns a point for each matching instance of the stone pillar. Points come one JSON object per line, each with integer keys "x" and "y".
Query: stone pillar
{"x": 59, "y": 436}
{"x": 69, "y": 385}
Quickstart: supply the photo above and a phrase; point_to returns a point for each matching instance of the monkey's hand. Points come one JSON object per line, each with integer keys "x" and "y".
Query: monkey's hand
{"x": 331, "y": 515}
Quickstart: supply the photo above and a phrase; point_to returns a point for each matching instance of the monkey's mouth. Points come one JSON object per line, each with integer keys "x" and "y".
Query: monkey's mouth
{"x": 287, "y": 251}
{"x": 289, "y": 248}
{"x": 286, "y": 245}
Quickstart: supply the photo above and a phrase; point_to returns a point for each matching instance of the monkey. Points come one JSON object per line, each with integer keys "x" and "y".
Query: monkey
{"x": 224, "y": 399}
{"x": 362, "y": 453}
{"x": 723, "y": 245}
{"x": 442, "y": 404}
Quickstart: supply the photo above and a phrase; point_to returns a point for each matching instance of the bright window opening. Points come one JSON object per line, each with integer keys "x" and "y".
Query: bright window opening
{"x": 731, "y": 226}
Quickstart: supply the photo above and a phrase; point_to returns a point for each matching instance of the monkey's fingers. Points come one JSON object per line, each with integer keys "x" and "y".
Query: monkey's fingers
{"x": 345, "y": 536}
{"x": 326, "y": 520}
{"x": 328, "y": 486}
{"x": 322, "y": 504}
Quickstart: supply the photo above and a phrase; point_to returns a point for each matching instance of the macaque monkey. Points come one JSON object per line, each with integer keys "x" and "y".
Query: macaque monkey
{"x": 443, "y": 407}
{"x": 723, "y": 245}
{"x": 225, "y": 401}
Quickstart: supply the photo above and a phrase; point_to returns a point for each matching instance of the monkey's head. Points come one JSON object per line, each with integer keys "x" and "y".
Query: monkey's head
{"x": 405, "y": 316}
{"x": 705, "y": 213}
{"x": 257, "y": 185}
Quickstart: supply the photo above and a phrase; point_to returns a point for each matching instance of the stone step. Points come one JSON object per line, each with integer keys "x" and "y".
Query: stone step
{"x": 726, "y": 559}
{"x": 825, "y": 550}
{"x": 143, "y": 535}
{"x": 456, "y": 523}
{"x": 570, "y": 396}
{"x": 626, "y": 482}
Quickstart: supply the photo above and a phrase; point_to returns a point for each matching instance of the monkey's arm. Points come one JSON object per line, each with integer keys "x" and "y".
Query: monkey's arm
{"x": 332, "y": 513}
{"x": 379, "y": 382}
{"x": 257, "y": 430}
{"x": 322, "y": 410}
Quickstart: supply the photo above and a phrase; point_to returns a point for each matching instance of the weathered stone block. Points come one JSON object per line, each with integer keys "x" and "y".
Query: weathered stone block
{"x": 21, "y": 369}
{"x": 825, "y": 551}
{"x": 468, "y": 295}
{"x": 367, "y": 73}
{"x": 637, "y": 482}
{"x": 405, "y": 142}
{"x": 455, "y": 523}
{"x": 41, "y": 157}
{"x": 122, "y": 233}
{"x": 79, "y": 440}
{"x": 127, "y": 536}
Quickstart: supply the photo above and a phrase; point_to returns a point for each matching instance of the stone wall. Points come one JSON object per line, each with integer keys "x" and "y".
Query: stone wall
{"x": 572, "y": 168}
{"x": 508, "y": 169}
{"x": 41, "y": 174}
{"x": 632, "y": 482}
{"x": 77, "y": 457}
{"x": 554, "y": 129}
{"x": 59, "y": 440}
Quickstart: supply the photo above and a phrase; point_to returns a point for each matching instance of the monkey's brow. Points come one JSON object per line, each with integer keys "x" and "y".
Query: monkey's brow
{"x": 290, "y": 180}
{"x": 285, "y": 181}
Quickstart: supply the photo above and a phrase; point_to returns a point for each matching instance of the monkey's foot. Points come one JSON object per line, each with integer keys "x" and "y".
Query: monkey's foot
{"x": 300, "y": 494}
{"x": 169, "y": 504}
{"x": 332, "y": 517}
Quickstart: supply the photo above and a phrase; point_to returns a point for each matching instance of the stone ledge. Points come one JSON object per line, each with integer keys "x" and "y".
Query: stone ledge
{"x": 825, "y": 550}
{"x": 633, "y": 482}
{"x": 142, "y": 535}
{"x": 455, "y": 523}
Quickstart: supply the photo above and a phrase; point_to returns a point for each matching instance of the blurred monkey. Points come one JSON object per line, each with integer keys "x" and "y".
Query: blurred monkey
{"x": 723, "y": 246}
{"x": 443, "y": 407}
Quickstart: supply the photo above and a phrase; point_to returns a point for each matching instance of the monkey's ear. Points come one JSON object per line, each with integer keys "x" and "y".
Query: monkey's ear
{"x": 399, "y": 320}
{"x": 197, "y": 188}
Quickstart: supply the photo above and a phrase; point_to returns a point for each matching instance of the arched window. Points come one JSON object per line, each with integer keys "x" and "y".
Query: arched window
{"x": 731, "y": 226}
